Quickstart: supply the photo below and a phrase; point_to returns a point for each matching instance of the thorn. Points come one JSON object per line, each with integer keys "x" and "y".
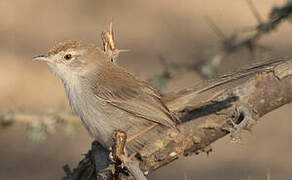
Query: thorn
{"x": 247, "y": 29}
{"x": 215, "y": 28}
{"x": 254, "y": 11}
{"x": 208, "y": 149}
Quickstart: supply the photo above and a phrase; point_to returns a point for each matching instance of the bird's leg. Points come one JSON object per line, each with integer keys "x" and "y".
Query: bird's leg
{"x": 120, "y": 155}
{"x": 133, "y": 136}
{"x": 120, "y": 140}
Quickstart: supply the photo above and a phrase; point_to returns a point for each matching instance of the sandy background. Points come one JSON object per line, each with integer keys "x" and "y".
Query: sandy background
{"x": 175, "y": 29}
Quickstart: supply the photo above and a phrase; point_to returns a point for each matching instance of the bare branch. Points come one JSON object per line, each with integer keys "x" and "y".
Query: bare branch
{"x": 108, "y": 39}
{"x": 232, "y": 44}
{"x": 109, "y": 47}
{"x": 40, "y": 125}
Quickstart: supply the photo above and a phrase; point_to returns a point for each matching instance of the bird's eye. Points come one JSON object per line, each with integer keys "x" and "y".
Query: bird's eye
{"x": 68, "y": 56}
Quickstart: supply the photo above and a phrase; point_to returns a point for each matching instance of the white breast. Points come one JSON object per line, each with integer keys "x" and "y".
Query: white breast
{"x": 99, "y": 117}
{"x": 90, "y": 110}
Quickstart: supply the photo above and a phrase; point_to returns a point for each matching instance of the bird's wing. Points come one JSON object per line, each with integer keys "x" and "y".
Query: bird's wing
{"x": 122, "y": 90}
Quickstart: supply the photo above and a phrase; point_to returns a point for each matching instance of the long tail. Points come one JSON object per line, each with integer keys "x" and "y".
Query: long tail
{"x": 179, "y": 100}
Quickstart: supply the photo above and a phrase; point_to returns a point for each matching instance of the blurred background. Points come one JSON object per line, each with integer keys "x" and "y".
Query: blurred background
{"x": 175, "y": 31}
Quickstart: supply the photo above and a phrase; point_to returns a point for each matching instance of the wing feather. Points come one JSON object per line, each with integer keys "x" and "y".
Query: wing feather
{"x": 122, "y": 90}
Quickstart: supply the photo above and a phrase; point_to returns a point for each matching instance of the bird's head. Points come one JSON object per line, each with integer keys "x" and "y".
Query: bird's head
{"x": 71, "y": 60}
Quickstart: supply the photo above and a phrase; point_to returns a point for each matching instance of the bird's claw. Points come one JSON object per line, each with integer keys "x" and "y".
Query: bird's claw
{"x": 121, "y": 158}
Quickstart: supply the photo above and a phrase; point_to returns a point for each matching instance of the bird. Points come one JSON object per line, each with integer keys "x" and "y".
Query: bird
{"x": 109, "y": 99}
{"x": 106, "y": 97}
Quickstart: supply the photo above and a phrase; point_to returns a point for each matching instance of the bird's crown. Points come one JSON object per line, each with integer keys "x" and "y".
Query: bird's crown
{"x": 64, "y": 46}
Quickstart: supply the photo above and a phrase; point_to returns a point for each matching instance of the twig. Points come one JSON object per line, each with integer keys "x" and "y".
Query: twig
{"x": 254, "y": 11}
{"x": 231, "y": 44}
{"x": 109, "y": 46}
{"x": 40, "y": 125}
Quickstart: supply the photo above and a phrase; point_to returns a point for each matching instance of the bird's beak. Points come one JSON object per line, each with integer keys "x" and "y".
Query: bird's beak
{"x": 41, "y": 58}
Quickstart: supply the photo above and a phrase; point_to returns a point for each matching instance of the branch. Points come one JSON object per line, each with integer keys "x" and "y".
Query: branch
{"x": 108, "y": 42}
{"x": 277, "y": 15}
{"x": 40, "y": 125}
{"x": 210, "y": 122}
{"x": 208, "y": 118}
{"x": 231, "y": 44}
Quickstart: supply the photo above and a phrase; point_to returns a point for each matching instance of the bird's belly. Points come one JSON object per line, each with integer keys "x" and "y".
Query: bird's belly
{"x": 100, "y": 118}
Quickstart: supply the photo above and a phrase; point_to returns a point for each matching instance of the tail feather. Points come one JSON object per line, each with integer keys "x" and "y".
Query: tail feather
{"x": 179, "y": 100}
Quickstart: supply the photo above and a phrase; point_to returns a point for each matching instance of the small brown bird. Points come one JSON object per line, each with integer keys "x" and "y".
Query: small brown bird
{"x": 106, "y": 97}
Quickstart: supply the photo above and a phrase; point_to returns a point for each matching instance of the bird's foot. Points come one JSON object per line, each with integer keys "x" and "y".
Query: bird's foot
{"x": 121, "y": 158}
